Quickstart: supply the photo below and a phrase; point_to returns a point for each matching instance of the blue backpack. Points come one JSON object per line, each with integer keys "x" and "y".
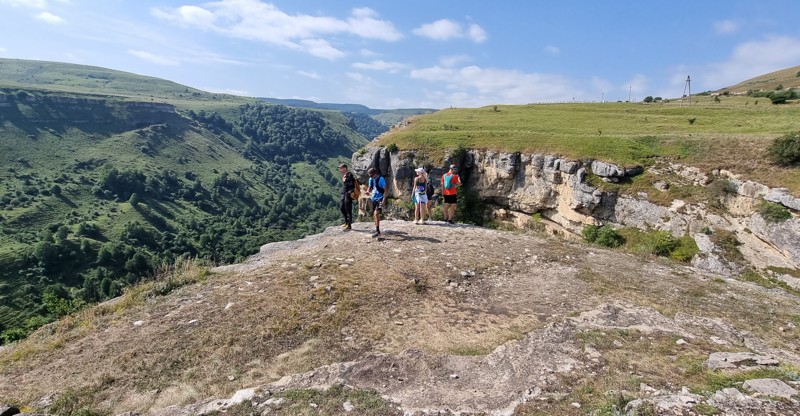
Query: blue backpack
{"x": 447, "y": 184}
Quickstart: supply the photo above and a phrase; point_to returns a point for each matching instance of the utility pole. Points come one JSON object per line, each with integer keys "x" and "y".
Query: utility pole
{"x": 630, "y": 87}
{"x": 687, "y": 86}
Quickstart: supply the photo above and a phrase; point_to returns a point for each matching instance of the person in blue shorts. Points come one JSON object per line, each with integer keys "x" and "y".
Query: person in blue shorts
{"x": 420, "y": 197}
{"x": 377, "y": 190}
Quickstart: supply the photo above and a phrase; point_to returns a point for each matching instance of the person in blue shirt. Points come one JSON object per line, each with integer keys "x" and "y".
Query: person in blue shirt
{"x": 377, "y": 188}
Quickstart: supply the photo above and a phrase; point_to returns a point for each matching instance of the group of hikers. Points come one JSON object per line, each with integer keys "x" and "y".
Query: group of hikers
{"x": 422, "y": 195}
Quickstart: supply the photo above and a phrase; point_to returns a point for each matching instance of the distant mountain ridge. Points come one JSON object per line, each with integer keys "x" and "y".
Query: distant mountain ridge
{"x": 368, "y": 121}
{"x": 351, "y": 108}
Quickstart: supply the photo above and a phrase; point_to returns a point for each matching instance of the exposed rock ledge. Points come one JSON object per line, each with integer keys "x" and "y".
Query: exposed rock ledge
{"x": 516, "y": 372}
{"x": 518, "y": 185}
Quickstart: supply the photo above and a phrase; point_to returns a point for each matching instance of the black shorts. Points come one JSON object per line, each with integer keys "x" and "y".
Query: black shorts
{"x": 450, "y": 199}
{"x": 377, "y": 206}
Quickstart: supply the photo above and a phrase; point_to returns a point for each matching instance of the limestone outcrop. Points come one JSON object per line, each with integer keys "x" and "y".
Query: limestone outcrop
{"x": 516, "y": 186}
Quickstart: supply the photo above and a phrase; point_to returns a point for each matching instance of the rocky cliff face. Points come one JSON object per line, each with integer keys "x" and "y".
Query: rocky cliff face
{"x": 56, "y": 109}
{"x": 517, "y": 186}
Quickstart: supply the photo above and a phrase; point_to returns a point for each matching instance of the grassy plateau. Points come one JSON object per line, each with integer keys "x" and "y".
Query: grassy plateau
{"x": 729, "y": 133}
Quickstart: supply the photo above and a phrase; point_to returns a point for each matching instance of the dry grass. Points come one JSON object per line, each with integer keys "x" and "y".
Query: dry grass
{"x": 632, "y": 358}
{"x": 316, "y": 306}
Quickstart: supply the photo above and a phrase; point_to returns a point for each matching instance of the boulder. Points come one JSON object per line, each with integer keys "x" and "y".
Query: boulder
{"x": 784, "y": 236}
{"x": 770, "y": 387}
{"x": 606, "y": 169}
{"x": 718, "y": 360}
{"x": 783, "y": 197}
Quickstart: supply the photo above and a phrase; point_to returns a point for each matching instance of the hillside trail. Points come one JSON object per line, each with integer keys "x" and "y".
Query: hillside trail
{"x": 436, "y": 318}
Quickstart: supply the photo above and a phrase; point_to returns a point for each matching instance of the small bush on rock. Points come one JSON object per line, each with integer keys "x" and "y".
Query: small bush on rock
{"x": 773, "y": 212}
{"x": 605, "y": 236}
{"x": 535, "y": 223}
{"x": 659, "y": 243}
{"x": 685, "y": 250}
{"x": 785, "y": 150}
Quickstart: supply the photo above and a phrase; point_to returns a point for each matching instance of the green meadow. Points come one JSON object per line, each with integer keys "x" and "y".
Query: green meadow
{"x": 724, "y": 132}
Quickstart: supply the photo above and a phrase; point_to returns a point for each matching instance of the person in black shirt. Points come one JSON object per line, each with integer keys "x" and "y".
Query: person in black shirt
{"x": 346, "y": 206}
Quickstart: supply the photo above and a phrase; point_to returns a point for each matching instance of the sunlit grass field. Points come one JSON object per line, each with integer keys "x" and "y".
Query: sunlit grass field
{"x": 731, "y": 133}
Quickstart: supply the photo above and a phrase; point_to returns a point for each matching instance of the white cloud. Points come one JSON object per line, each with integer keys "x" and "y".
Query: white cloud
{"x": 445, "y": 29}
{"x": 2, "y": 49}
{"x": 49, "y": 18}
{"x": 309, "y": 74}
{"x": 149, "y": 57}
{"x": 453, "y": 60}
{"x": 321, "y": 48}
{"x": 364, "y": 22}
{"x": 33, "y": 4}
{"x": 264, "y": 22}
{"x": 380, "y": 65}
{"x": 552, "y": 50}
{"x": 476, "y": 33}
{"x": 367, "y": 53}
{"x": 442, "y": 29}
{"x": 195, "y": 16}
{"x": 473, "y": 85}
{"x": 726, "y": 27}
{"x": 752, "y": 59}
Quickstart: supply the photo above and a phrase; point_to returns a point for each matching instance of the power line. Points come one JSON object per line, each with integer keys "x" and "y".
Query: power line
{"x": 687, "y": 86}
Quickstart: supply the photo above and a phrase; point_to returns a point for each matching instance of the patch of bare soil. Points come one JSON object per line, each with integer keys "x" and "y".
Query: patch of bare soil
{"x": 436, "y": 318}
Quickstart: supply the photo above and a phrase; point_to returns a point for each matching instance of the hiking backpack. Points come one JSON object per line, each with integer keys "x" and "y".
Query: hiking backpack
{"x": 448, "y": 181}
{"x": 356, "y": 188}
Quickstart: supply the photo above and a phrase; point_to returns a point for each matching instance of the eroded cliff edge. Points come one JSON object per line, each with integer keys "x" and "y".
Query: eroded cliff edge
{"x": 569, "y": 194}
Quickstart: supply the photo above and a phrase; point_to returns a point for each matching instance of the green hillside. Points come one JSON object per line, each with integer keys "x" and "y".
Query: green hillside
{"x": 106, "y": 176}
{"x": 83, "y": 79}
{"x": 783, "y": 79}
{"x": 714, "y": 132}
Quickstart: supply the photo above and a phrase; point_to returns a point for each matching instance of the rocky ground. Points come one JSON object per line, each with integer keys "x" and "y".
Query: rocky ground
{"x": 432, "y": 319}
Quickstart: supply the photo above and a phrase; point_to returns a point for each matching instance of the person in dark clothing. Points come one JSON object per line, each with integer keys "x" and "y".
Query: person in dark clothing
{"x": 346, "y": 206}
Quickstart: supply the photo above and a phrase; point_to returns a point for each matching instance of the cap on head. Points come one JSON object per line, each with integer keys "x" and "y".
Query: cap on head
{"x": 452, "y": 166}
{"x": 419, "y": 170}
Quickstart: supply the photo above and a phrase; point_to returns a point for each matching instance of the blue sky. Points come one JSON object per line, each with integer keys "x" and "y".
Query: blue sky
{"x": 413, "y": 53}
